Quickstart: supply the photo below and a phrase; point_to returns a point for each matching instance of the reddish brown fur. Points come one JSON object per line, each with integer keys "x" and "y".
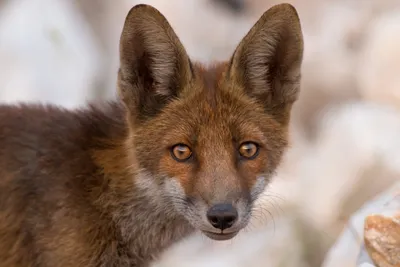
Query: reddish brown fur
{"x": 98, "y": 187}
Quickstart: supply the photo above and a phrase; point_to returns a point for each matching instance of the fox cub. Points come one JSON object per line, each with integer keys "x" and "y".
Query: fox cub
{"x": 185, "y": 148}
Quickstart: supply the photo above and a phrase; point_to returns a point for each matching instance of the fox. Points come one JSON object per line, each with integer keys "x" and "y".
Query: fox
{"x": 184, "y": 147}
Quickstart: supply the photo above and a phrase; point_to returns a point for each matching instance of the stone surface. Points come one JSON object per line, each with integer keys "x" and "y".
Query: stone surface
{"x": 382, "y": 239}
{"x": 47, "y": 53}
{"x": 372, "y": 236}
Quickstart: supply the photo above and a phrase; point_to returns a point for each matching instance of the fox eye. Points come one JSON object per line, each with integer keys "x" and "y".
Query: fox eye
{"x": 181, "y": 152}
{"x": 248, "y": 150}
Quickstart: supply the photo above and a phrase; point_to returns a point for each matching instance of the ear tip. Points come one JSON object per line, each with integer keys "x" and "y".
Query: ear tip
{"x": 285, "y": 8}
{"x": 142, "y": 9}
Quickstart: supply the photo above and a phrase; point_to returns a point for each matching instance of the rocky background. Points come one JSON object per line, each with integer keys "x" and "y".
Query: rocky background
{"x": 345, "y": 150}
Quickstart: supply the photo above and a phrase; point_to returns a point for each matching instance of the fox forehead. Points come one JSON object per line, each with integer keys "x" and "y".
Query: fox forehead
{"x": 213, "y": 109}
{"x": 213, "y": 117}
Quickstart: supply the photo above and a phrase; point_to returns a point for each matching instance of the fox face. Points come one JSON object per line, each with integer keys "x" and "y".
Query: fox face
{"x": 208, "y": 139}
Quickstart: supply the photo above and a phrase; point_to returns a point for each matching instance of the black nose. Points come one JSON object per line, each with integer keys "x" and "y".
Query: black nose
{"x": 222, "y": 216}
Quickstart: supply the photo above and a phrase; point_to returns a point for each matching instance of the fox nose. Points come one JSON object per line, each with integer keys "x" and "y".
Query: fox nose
{"x": 222, "y": 216}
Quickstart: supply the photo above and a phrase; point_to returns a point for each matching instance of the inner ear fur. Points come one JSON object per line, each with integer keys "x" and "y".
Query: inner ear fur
{"x": 154, "y": 66}
{"x": 267, "y": 62}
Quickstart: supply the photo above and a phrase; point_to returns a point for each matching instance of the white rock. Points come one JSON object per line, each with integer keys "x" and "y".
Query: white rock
{"x": 379, "y": 60}
{"x": 348, "y": 250}
{"x": 47, "y": 53}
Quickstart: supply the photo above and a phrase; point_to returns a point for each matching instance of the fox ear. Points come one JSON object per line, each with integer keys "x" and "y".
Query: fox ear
{"x": 267, "y": 62}
{"x": 154, "y": 66}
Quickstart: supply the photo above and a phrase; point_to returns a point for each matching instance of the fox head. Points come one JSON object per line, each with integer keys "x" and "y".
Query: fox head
{"x": 207, "y": 140}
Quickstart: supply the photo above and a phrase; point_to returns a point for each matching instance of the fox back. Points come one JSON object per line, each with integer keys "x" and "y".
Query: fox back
{"x": 186, "y": 147}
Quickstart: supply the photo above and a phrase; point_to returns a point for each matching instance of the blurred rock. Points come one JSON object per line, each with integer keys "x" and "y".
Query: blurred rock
{"x": 236, "y": 6}
{"x": 355, "y": 143}
{"x": 47, "y": 53}
{"x": 350, "y": 249}
{"x": 379, "y": 60}
{"x": 382, "y": 239}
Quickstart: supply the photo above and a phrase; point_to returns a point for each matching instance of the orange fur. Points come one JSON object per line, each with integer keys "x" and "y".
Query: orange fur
{"x": 100, "y": 187}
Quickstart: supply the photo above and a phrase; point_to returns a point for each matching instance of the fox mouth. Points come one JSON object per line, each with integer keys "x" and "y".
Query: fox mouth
{"x": 220, "y": 236}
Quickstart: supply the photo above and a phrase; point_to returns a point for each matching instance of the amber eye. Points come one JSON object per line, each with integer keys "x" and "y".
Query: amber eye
{"x": 181, "y": 152}
{"x": 248, "y": 150}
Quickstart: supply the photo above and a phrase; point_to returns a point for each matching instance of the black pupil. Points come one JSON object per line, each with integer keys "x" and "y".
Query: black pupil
{"x": 181, "y": 150}
{"x": 248, "y": 149}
